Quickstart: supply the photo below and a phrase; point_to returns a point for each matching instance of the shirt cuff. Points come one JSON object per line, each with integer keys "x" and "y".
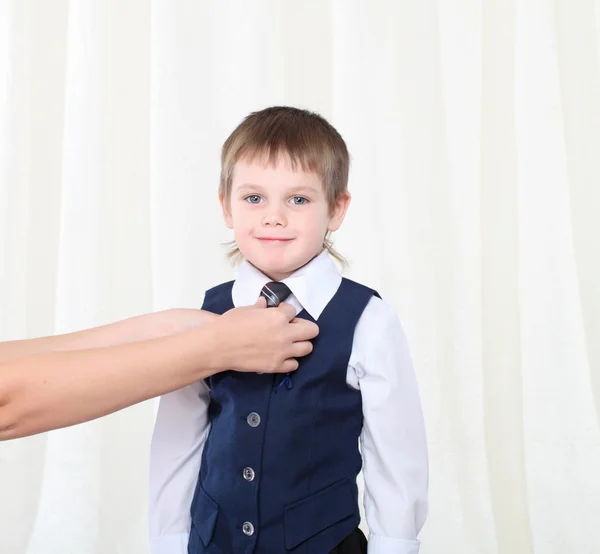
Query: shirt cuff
{"x": 389, "y": 545}
{"x": 170, "y": 544}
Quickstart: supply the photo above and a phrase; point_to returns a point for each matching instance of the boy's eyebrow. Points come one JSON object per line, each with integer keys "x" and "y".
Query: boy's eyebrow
{"x": 304, "y": 188}
{"x": 249, "y": 186}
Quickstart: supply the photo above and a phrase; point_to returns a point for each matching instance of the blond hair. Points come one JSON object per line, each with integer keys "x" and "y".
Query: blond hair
{"x": 310, "y": 142}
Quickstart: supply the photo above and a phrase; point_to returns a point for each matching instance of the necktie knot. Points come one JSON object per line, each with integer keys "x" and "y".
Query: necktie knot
{"x": 275, "y": 293}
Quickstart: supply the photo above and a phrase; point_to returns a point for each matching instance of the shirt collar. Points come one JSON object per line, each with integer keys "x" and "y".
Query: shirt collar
{"x": 313, "y": 285}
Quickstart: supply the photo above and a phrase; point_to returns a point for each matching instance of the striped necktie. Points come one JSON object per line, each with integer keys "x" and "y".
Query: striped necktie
{"x": 276, "y": 293}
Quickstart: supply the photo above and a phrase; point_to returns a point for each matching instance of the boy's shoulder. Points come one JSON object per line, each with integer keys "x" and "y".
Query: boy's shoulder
{"x": 379, "y": 325}
{"x": 217, "y": 296}
{"x": 349, "y": 283}
{"x": 221, "y": 287}
{"x": 378, "y": 313}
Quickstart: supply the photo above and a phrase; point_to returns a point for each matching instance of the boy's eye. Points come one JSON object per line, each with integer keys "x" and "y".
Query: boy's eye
{"x": 299, "y": 200}
{"x": 253, "y": 199}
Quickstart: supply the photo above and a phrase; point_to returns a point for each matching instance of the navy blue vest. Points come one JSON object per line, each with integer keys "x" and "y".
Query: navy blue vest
{"x": 279, "y": 466}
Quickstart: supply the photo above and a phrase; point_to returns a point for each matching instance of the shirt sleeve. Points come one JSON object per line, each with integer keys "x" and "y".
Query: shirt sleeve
{"x": 179, "y": 435}
{"x": 393, "y": 441}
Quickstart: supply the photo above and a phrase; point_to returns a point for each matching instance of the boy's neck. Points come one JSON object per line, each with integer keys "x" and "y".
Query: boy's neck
{"x": 281, "y": 276}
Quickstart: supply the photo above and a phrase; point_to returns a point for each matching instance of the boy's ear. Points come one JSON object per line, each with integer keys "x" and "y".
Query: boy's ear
{"x": 339, "y": 212}
{"x": 226, "y": 212}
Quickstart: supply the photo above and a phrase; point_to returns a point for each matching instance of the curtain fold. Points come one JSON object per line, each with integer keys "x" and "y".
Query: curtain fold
{"x": 473, "y": 127}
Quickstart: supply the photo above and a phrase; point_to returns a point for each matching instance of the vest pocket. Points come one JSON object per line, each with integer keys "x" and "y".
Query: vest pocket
{"x": 204, "y": 516}
{"x": 311, "y": 515}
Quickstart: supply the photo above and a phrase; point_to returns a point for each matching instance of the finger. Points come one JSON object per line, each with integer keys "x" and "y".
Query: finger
{"x": 289, "y": 365}
{"x": 304, "y": 330}
{"x": 300, "y": 349}
{"x": 261, "y": 302}
{"x": 288, "y": 310}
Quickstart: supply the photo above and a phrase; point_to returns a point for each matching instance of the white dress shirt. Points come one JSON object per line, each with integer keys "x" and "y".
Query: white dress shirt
{"x": 393, "y": 445}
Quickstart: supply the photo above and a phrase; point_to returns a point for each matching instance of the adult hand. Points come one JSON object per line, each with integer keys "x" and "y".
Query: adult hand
{"x": 255, "y": 338}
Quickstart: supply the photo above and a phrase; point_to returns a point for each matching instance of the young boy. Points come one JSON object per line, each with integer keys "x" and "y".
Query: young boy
{"x": 269, "y": 464}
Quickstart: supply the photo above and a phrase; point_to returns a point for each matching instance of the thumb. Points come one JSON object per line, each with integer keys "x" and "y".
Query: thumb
{"x": 261, "y": 302}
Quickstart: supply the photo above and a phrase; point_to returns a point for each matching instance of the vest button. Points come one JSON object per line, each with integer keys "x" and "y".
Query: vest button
{"x": 253, "y": 419}
{"x": 249, "y": 474}
{"x": 248, "y": 529}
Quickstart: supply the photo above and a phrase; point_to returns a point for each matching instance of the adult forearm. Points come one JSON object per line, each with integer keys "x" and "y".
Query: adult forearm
{"x": 61, "y": 388}
{"x": 137, "y": 328}
{"x": 59, "y": 381}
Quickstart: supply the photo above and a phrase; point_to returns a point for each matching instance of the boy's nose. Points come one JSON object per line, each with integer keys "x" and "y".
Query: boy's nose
{"x": 274, "y": 220}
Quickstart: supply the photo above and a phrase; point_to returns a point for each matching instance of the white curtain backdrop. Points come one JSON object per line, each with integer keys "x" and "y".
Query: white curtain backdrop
{"x": 474, "y": 127}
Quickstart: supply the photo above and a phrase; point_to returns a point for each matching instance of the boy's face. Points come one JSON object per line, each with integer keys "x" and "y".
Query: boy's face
{"x": 279, "y": 216}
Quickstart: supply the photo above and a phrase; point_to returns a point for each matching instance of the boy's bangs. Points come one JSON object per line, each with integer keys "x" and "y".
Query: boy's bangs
{"x": 300, "y": 157}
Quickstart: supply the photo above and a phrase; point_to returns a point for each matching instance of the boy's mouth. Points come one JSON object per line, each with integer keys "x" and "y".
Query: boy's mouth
{"x": 274, "y": 240}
